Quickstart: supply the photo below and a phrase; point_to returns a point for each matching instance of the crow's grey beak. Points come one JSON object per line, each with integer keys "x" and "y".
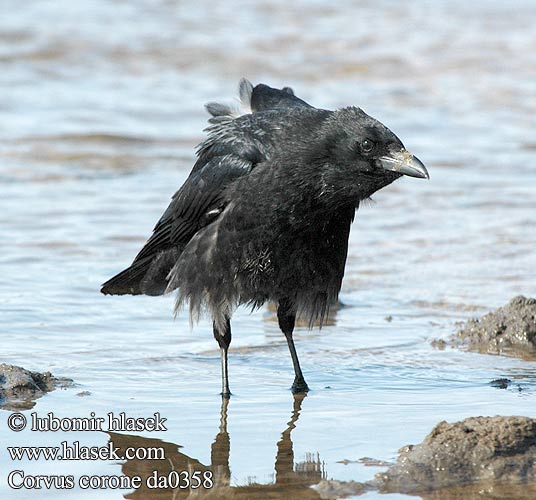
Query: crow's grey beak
{"x": 404, "y": 162}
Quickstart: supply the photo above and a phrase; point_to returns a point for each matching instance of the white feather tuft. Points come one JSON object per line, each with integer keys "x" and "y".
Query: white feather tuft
{"x": 242, "y": 107}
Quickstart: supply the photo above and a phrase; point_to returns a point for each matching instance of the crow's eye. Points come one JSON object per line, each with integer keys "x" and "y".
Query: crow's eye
{"x": 367, "y": 146}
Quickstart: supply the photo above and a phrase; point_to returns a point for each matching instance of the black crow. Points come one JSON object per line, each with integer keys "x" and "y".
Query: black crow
{"x": 266, "y": 211}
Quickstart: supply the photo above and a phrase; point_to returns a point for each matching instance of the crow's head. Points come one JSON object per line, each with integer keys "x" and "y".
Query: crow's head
{"x": 361, "y": 155}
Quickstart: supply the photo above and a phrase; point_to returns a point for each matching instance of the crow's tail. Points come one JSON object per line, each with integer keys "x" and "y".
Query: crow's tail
{"x": 127, "y": 282}
{"x": 148, "y": 275}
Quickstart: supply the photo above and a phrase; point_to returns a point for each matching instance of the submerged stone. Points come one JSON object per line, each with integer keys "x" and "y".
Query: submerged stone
{"x": 20, "y": 387}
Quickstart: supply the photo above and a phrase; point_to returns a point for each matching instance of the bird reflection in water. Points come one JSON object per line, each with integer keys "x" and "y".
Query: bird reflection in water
{"x": 292, "y": 480}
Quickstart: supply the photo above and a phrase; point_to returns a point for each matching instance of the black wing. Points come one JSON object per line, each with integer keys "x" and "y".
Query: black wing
{"x": 233, "y": 148}
{"x": 197, "y": 203}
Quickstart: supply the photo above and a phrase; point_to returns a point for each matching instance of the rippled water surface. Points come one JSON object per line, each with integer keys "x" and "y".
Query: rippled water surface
{"x": 100, "y": 110}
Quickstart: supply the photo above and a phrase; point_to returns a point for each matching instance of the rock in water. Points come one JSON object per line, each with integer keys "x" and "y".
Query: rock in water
{"x": 19, "y": 387}
{"x": 475, "y": 450}
{"x": 511, "y": 329}
{"x": 475, "y": 459}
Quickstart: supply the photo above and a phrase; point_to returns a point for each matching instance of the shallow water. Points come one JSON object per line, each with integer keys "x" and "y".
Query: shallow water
{"x": 101, "y": 109}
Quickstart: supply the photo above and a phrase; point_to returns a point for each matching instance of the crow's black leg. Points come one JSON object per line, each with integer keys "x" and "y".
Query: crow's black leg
{"x": 287, "y": 318}
{"x": 223, "y": 337}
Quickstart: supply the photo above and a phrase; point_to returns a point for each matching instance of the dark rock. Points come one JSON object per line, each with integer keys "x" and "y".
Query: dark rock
{"x": 475, "y": 450}
{"x": 479, "y": 457}
{"x": 500, "y": 383}
{"x": 510, "y": 329}
{"x": 19, "y": 387}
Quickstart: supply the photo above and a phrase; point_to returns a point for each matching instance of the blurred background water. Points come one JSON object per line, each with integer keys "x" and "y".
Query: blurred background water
{"x": 101, "y": 106}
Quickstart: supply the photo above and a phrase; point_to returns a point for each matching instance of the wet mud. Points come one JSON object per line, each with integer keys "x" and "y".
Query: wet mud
{"x": 496, "y": 455}
{"x": 510, "y": 329}
{"x": 476, "y": 449}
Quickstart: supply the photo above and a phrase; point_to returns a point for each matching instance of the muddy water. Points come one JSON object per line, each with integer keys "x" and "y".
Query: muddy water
{"x": 101, "y": 108}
